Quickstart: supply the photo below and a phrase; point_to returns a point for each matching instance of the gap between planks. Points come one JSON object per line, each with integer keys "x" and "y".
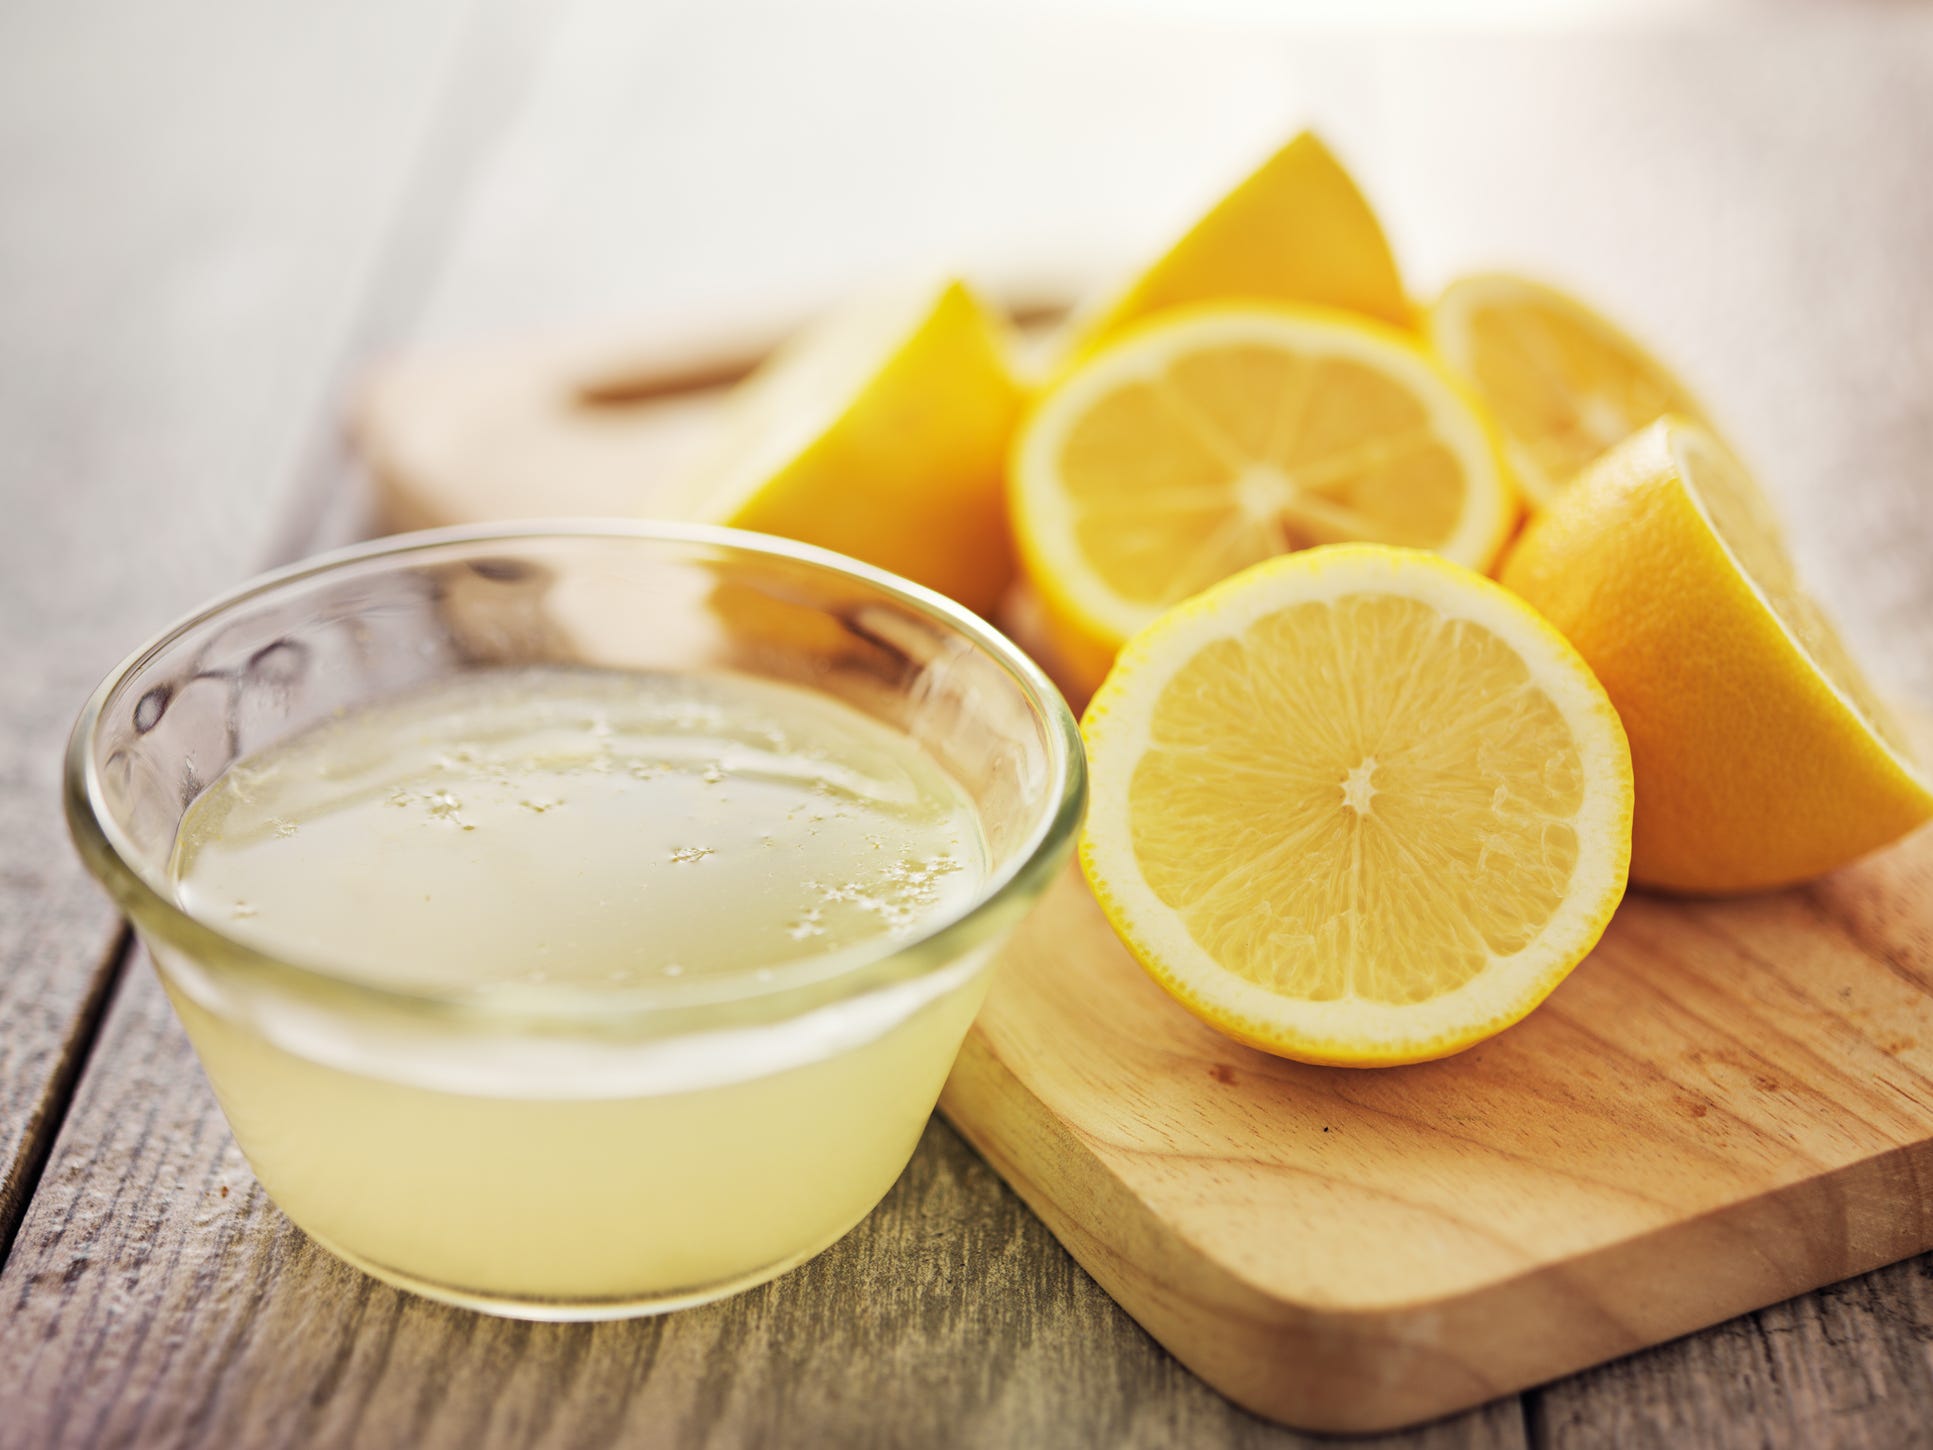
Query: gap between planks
{"x": 455, "y": 129}
{"x": 84, "y": 1033}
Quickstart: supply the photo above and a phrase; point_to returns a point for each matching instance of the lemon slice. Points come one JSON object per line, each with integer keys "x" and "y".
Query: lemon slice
{"x": 1215, "y": 437}
{"x": 1297, "y": 229}
{"x": 882, "y": 432}
{"x": 1762, "y": 754}
{"x": 1563, "y": 382}
{"x": 1357, "y": 806}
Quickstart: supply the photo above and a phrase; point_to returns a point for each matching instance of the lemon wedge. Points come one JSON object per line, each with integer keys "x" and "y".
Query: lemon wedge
{"x": 1763, "y": 756}
{"x": 1563, "y": 382}
{"x": 1297, "y": 229}
{"x": 1356, "y": 806}
{"x": 1214, "y": 437}
{"x": 881, "y": 432}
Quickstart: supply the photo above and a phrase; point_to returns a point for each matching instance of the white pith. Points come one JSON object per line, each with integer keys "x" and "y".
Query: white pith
{"x": 1118, "y": 730}
{"x": 1051, "y": 515}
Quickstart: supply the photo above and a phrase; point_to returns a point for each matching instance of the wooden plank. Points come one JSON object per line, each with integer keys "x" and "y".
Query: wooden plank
{"x": 1748, "y": 1200}
{"x": 157, "y": 1299}
{"x": 180, "y": 241}
{"x": 1706, "y": 187}
{"x": 146, "y": 1305}
{"x": 1849, "y": 1367}
{"x": 224, "y": 1324}
{"x": 1728, "y": 1103}
{"x": 1888, "y": 581}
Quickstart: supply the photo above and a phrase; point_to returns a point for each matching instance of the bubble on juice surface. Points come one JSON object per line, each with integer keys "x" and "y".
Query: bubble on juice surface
{"x": 445, "y": 805}
{"x": 434, "y": 848}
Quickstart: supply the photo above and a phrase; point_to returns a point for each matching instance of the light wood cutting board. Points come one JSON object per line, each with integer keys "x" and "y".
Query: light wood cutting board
{"x": 1728, "y": 1104}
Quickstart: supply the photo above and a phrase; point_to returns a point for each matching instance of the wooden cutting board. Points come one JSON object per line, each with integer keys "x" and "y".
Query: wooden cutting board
{"x": 1729, "y": 1103}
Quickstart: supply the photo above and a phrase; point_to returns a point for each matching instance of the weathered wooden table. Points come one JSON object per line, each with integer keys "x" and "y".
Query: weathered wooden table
{"x": 212, "y": 215}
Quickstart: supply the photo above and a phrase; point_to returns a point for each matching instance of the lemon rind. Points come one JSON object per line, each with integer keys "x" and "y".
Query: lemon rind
{"x": 1675, "y": 434}
{"x": 1045, "y": 517}
{"x": 1447, "y": 327}
{"x": 1352, "y": 1031}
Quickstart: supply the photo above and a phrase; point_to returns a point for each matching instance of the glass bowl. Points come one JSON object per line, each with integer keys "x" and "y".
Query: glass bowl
{"x": 575, "y": 1152}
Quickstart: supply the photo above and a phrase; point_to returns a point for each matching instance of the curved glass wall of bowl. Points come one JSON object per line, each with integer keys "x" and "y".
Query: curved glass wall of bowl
{"x": 555, "y": 1146}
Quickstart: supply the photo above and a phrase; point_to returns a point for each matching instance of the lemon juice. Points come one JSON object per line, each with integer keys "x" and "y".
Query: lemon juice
{"x": 626, "y": 850}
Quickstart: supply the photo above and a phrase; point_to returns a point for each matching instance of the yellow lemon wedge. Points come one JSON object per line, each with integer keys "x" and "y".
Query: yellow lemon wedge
{"x": 1563, "y": 382}
{"x": 1297, "y": 229}
{"x": 881, "y": 432}
{"x": 1214, "y": 437}
{"x": 1356, "y": 806}
{"x": 1762, "y": 754}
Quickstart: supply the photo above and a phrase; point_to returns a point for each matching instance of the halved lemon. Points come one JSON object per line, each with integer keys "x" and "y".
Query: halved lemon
{"x": 1357, "y": 806}
{"x": 1214, "y": 437}
{"x": 881, "y": 432}
{"x": 1762, "y": 754}
{"x": 1296, "y": 229}
{"x": 1563, "y": 382}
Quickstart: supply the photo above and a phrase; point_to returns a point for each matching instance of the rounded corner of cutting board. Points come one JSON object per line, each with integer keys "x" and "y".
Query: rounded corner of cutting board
{"x": 1328, "y": 1366}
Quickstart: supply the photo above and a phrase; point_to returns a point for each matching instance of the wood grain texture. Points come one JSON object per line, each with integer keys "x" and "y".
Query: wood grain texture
{"x": 1727, "y": 1104}
{"x": 1672, "y": 1254}
{"x": 516, "y": 431}
{"x": 564, "y": 428}
{"x": 172, "y": 289}
{"x": 1849, "y": 1367}
{"x": 1786, "y": 159}
{"x": 156, "y": 1298}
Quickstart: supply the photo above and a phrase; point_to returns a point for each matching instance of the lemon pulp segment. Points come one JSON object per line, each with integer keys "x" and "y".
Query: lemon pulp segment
{"x": 1563, "y": 382}
{"x": 1762, "y": 755}
{"x": 1381, "y": 841}
{"x": 1357, "y": 805}
{"x": 1745, "y": 524}
{"x": 1215, "y": 438}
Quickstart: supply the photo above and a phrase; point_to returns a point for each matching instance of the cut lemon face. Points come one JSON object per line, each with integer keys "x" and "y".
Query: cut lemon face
{"x": 1563, "y": 382}
{"x": 1297, "y": 229}
{"x": 1215, "y": 437}
{"x": 1762, "y": 754}
{"x": 882, "y": 432}
{"x": 1357, "y": 806}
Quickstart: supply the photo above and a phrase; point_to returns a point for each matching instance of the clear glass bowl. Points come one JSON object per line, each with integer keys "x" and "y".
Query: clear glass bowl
{"x": 574, "y": 1152}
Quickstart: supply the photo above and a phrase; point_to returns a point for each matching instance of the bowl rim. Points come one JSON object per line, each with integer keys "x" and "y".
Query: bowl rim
{"x": 784, "y": 990}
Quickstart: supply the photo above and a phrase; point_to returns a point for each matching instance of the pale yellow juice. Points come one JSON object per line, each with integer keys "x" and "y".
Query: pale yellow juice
{"x": 608, "y": 844}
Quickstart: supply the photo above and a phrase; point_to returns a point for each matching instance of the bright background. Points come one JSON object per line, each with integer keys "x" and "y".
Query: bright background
{"x": 1746, "y": 186}
{"x": 214, "y": 214}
